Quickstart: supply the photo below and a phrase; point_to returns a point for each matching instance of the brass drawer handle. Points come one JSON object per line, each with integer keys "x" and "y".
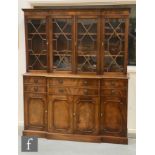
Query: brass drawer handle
{"x": 85, "y": 91}
{"x": 112, "y": 92}
{"x": 35, "y": 89}
{"x": 61, "y": 90}
{"x": 85, "y": 82}
{"x": 85, "y": 100}
{"x": 113, "y": 83}
{"x": 60, "y": 81}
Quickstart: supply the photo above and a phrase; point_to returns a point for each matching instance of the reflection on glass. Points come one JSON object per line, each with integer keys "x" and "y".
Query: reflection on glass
{"x": 87, "y": 45}
{"x": 114, "y": 45}
{"x": 37, "y": 47}
{"x": 62, "y": 44}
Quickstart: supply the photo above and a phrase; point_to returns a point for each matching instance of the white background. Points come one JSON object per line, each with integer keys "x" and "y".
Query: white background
{"x": 145, "y": 77}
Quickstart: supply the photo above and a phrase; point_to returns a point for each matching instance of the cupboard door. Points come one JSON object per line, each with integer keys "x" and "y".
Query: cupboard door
{"x": 36, "y": 39}
{"x": 62, "y": 36}
{"x": 87, "y": 44}
{"x": 35, "y": 111}
{"x": 86, "y": 115}
{"x": 113, "y": 116}
{"x": 114, "y": 44}
{"x": 60, "y": 110}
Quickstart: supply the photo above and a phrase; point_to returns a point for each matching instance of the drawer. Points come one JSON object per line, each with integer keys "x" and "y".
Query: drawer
{"x": 114, "y": 83}
{"x": 86, "y": 92}
{"x": 29, "y": 88}
{"x": 60, "y": 82}
{"x": 59, "y": 91}
{"x": 73, "y": 82}
{"x": 72, "y": 91}
{"x": 34, "y": 80}
{"x": 88, "y": 82}
{"x": 114, "y": 92}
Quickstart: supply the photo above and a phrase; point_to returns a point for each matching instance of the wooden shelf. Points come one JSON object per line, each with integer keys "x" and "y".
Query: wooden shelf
{"x": 114, "y": 55}
{"x": 39, "y": 54}
{"x": 87, "y": 33}
{"x": 61, "y": 69}
{"x": 82, "y": 55}
{"x": 120, "y": 34}
{"x": 41, "y": 33}
{"x": 67, "y": 55}
{"x": 62, "y": 33}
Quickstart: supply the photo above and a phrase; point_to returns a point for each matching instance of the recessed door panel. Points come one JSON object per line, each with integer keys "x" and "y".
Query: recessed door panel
{"x": 35, "y": 108}
{"x": 36, "y": 112}
{"x": 86, "y": 115}
{"x": 113, "y": 117}
{"x": 60, "y": 114}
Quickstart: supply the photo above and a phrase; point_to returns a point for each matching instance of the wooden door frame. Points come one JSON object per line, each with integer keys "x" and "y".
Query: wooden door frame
{"x": 26, "y": 18}
{"x": 97, "y": 17}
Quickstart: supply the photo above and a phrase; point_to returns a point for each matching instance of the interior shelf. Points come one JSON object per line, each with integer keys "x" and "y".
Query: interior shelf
{"x": 120, "y": 34}
{"x": 39, "y": 54}
{"x": 42, "y": 33}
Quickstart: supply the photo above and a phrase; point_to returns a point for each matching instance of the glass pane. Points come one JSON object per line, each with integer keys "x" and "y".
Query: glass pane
{"x": 132, "y": 37}
{"x": 37, "y": 47}
{"x": 114, "y": 45}
{"x": 62, "y": 44}
{"x": 87, "y": 45}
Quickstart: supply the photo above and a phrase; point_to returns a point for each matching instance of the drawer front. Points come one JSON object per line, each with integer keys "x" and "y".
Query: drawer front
{"x": 29, "y": 88}
{"x": 58, "y": 91}
{"x": 114, "y": 92}
{"x": 72, "y": 91}
{"x": 86, "y": 92}
{"x": 73, "y": 82}
{"x": 114, "y": 83}
{"x": 34, "y": 80}
{"x": 88, "y": 82}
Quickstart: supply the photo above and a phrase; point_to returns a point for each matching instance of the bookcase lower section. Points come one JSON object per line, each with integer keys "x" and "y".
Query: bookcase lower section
{"x": 72, "y": 108}
{"x": 77, "y": 137}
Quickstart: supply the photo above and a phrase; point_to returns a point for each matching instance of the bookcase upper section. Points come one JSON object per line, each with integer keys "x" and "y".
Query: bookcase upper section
{"x": 93, "y": 41}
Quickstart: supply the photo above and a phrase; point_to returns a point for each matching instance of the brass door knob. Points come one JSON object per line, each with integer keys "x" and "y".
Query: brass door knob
{"x": 60, "y": 81}
{"x": 113, "y": 83}
{"x": 85, "y": 82}
{"x": 85, "y": 91}
{"x": 112, "y": 92}
{"x": 35, "y": 89}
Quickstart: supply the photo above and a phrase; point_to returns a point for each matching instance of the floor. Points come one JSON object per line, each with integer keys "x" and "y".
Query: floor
{"x": 57, "y": 147}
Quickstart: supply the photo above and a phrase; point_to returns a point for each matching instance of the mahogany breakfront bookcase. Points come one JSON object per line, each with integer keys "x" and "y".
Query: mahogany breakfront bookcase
{"x": 76, "y": 84}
